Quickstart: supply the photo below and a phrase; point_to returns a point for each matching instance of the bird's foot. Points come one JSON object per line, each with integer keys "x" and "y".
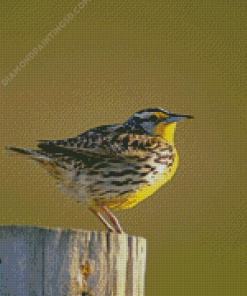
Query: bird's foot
{"x": 115, "y": 227}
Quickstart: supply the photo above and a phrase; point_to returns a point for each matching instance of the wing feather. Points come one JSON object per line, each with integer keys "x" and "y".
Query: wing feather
{"x": 103, "y": 143}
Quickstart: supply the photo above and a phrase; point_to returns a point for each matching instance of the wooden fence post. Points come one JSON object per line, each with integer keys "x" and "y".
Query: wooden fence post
{"x": 54, "y": 262}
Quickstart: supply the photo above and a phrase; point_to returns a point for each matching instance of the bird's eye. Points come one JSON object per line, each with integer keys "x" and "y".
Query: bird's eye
{"x": 153, "y": 118}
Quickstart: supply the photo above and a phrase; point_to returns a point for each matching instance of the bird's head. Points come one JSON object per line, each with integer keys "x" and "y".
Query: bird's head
{"x": 156, "y": 122}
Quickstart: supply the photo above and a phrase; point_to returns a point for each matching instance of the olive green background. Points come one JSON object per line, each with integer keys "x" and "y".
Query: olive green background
{"x": 111, "y": 60}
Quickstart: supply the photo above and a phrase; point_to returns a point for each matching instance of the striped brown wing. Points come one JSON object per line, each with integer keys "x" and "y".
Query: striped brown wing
{"x": 94, "y": 146}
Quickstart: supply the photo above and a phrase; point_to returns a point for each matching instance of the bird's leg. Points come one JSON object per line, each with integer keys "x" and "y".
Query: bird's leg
{"x": 102, "y": 219}
{"x": 113, "y": 219}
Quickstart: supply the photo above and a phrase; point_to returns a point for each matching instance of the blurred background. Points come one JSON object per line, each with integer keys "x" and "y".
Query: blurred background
{"x": 108, "y": 60}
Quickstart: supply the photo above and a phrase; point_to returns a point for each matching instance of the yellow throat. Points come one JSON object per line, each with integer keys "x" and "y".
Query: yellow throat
{"x": 166, "y": 131}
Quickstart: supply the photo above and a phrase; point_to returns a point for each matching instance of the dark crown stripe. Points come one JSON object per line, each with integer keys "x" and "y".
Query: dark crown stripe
{"x": 153, "y": 110}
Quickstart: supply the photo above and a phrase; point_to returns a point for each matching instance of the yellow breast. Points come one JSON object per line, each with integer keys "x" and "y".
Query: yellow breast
{"x": 134, "y": 198}
{"x": 129, "y": 200}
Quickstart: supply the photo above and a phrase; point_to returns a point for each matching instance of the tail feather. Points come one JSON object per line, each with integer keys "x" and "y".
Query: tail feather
{"x": 21, "y": 150}
{"x": 60, "y": 170}
{"x": 35, "y": 154}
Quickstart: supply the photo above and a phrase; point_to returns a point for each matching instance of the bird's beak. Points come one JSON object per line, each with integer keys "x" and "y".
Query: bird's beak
{"x": 176, "y": 117}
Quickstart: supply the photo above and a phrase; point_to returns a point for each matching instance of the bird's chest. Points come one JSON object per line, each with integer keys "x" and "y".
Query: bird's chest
{"x": 162, "y": 161}
{"x": 152, "y": 173}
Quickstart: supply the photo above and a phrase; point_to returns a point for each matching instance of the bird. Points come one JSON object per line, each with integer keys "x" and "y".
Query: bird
{"x": 113, "y": 167}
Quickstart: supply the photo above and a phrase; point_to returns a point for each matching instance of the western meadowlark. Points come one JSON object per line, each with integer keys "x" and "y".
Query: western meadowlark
{"x": 113, "y": 166}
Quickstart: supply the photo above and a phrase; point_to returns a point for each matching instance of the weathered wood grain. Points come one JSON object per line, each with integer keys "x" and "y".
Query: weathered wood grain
{"x": 43, "y": 261}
